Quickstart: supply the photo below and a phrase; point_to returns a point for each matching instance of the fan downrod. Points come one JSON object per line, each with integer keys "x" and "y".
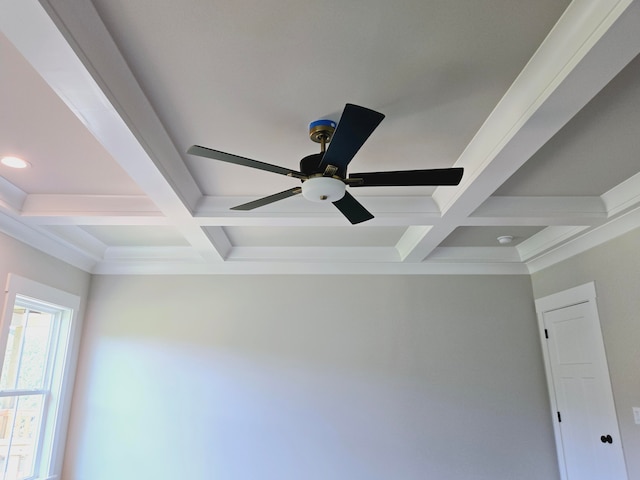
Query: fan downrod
{"x": 321, "y": 132}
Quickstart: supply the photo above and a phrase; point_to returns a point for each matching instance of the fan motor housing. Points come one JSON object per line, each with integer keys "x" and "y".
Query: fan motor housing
{"x": 311, "y": 163}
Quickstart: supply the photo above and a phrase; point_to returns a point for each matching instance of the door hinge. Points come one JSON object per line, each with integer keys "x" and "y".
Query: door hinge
{"x": 546, "y": 333}
{"x": 559, "y": 417}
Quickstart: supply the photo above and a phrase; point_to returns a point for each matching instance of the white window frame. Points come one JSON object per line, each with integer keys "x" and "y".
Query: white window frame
{"x": 50, "y": 452}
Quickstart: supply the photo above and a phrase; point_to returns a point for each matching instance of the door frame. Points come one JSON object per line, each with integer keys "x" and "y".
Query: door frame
{"x": 581, "y": 294}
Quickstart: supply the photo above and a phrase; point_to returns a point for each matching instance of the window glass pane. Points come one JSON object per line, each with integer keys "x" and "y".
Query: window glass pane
{"x": 20, "y": 419}
{"x": 25, "y": 359}
{"x": 7, "y": 411}
{"x": 35, "y": 351}
{"x": 10, "y": 364}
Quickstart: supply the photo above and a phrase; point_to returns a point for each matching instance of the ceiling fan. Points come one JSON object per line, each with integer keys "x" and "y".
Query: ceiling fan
{"x": 324, "y": 175}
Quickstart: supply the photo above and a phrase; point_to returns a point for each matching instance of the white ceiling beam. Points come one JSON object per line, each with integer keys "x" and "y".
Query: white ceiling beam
{"x": 163, "y": 266}
{"x": 65, "y": 209}
{"x": 105, "y": 96}
{"x": 412, "y": 240}
{"x": 297, "y": 211}
{"x": 79, "y": 239}
{"x": 588, "y": 46}
{"x": 139, "y": 210}
{"x": 11, "y": 197}
{"x": 475, "y": 254}
{"x": 582, "y": 241}
{"x": 146, "y": 254}
{"x": 216, "y": 236}
{"x": 44, "y": 205}
{"x": 379, "y": 204}
{"x": 548, "y": 238}
{"x": 325, "y": 219}
{"x": 84, "y": 219}
{"x": 38, "y": 238}
{"x": 314, "y": 254}
{"x": 623, "y": 197}
{"x": 538, "y": 211}
{"x": 158, "y": 168}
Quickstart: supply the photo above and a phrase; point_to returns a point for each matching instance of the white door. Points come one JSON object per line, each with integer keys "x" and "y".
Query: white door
{"x": 586, "y": 425}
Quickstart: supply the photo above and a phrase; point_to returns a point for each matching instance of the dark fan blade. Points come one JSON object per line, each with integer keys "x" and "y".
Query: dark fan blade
{"x": 247, "y": 162}
{"x": 406, "y": 178}
{"x": 352, "y": 209}
{"x": 355, "y": 126}
{"x": 270, "y": 199}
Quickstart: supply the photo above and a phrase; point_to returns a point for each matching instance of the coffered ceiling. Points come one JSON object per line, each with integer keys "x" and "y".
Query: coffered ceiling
{"x": 539, "y": 102}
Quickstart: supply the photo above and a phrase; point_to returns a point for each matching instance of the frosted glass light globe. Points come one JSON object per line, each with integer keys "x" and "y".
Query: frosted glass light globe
{"x": 323, "y": 189}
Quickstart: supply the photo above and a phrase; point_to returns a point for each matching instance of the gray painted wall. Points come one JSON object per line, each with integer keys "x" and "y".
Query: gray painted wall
{"x": 311, "y": 377}
{"x": 20, "y": 259}
{"x": 615, "y": 268}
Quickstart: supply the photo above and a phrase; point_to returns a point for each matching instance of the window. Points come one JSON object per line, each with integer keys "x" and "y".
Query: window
{"x": 37, "y": 350}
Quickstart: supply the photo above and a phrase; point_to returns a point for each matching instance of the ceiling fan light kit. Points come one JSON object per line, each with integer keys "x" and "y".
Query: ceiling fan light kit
{"x": 324, "y": 175}
{"x": 323, "y": 189}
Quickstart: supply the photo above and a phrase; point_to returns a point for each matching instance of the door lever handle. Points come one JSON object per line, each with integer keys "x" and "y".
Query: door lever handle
{"x": 606, "y": 439}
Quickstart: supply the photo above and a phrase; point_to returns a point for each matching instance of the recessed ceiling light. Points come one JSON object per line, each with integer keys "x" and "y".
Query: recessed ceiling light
{"x": 14, "y": 162}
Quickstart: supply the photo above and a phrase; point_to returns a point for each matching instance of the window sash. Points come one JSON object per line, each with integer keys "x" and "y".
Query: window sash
{"x": 53, "y": 340}
{"x": 22, "y": 393}
{"x": 37, "y": 435}
{"x": 57, "y": 390}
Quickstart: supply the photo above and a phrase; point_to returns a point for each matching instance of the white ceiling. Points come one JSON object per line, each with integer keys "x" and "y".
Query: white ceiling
{"x": 538, "y": 101}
